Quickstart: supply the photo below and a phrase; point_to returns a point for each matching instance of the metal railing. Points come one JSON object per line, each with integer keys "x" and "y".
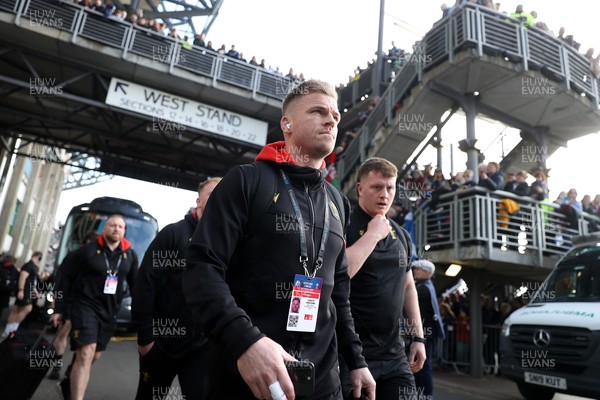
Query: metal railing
{"x": 484, "y": 31}
{"x": 354, "y": 92}
{"x": 480, "y": 216}
{"x": 454, "y": 350}
{"x": 87, "y": 24}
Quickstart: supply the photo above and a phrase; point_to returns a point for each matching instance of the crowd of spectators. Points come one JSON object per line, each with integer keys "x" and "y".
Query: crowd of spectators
{"x": 427, "y": 185}
{"x": 200, "y": 41}
{"x": 529, "y": 20}
{"x": 395, "y": 56}
{"x": 352, "y": 129}
{"x": 398, "y": 57}
{"x": 516, "y": 182}
{"x": 110, "y": 10}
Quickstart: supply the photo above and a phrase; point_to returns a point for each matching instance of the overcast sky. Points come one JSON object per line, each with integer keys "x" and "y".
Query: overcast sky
{"x": 327, "y": 39}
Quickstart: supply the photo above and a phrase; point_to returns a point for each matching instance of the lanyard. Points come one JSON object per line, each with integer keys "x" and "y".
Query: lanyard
{"x": 114, "y": 272}
{"x": 303, "y": 246}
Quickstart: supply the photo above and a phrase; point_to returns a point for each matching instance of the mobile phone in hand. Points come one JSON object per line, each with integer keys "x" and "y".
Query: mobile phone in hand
{"x": 362, "y": 396}
{"x": 302, "y": 374}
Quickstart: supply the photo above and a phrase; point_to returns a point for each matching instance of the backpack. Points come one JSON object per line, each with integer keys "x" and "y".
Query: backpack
{"x": 406, "y": 241}
{"x": 265, "y": 187}
{"x": 8, "y": 278}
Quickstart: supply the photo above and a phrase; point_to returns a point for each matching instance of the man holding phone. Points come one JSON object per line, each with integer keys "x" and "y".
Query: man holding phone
{"x": 240, "y": 257}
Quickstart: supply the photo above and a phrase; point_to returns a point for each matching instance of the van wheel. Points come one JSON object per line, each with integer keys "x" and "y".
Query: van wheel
{"x": 534, "y": 392}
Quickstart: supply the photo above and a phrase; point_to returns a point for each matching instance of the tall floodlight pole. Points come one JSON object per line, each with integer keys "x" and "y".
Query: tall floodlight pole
{"x": 379, "y": 61}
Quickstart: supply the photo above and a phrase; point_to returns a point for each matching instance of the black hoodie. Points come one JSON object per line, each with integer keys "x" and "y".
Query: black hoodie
{"x": 84, "y": 273}
{"x": 239, "y": 287}
{"x": 159, "y": 310}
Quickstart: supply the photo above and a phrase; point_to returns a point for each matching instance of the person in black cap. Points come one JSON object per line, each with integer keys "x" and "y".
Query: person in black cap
{"x": 423, "y": 271}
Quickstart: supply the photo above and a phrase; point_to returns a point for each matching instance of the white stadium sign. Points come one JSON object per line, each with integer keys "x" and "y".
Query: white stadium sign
{"x": 164, "y": 107}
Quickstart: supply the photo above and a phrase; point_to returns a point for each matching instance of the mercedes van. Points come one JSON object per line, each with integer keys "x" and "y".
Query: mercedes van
{"x": 553, "y": 344}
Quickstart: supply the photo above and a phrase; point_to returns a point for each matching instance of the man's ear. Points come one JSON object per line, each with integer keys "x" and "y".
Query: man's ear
{"x": 359, "y": 188}
{"x": 285, "y": 124}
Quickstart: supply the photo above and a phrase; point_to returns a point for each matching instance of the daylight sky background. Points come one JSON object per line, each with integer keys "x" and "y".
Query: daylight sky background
{"x": 328, "y": 39}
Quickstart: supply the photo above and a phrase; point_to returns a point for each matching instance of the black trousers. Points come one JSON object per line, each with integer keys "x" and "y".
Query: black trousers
{"x": 158, "y": 370}
{"x": 424, "y": 378}
{"x": 393, "y": 377}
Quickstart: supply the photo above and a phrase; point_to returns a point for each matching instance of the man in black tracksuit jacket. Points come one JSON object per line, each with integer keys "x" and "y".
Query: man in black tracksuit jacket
{"x": 239, "y": 280}
{"x": 169, "y": 344}
{"x": 92, "y": 282}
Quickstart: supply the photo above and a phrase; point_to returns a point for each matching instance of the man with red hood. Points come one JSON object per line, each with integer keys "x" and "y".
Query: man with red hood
{"x": 93, "y": 281}
{"x": 242, "y": 277}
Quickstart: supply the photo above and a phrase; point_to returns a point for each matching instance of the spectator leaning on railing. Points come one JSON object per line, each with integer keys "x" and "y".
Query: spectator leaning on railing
{"x": 137, "y": 19}
{"x": 490, "y": 176}
{"x": 524, "y": 18}
{"x": 519, "y": 186}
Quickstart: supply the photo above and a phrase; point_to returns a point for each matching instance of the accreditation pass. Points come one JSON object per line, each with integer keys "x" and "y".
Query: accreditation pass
{"x": 304, "y": 304}
{"x": 110, "y": 284}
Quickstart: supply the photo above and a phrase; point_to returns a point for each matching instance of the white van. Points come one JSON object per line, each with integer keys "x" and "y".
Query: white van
{"x": 553, "y": 344}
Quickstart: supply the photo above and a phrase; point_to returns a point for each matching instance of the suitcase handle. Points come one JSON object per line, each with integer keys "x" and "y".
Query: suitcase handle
{"x": 40, "y": 336}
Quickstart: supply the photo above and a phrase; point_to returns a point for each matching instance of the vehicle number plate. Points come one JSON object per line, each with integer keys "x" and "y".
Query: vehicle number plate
{"x": 546, "y": 380}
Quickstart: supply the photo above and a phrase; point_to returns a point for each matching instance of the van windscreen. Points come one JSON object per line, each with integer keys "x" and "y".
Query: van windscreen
{"x": 576, "y": 281}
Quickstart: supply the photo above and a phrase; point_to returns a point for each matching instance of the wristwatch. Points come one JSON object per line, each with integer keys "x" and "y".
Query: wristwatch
{"x": 419, "y": 339}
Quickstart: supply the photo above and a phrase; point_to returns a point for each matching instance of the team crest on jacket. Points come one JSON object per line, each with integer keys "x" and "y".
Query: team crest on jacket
{"x": 334, "y": 210}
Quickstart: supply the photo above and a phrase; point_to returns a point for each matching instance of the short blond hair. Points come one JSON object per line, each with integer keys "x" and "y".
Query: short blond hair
{"x": 379, "y": 166}
{"x": 215, "y": 179}
{"x": 307, "y": 87}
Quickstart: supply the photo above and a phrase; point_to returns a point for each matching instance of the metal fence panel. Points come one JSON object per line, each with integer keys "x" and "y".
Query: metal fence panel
{"x": 273, "y": 85}
{"x": 236, "y": 73}
{"x": 55, "y": 15}
{"x": 366, "y": 82}
{"x": 459, "y": 31}
{"x": 346, "y": 96}
{"x": 154, "y": 46}
{"x": 500, "y": 34}
{"x": 436, "y": 48}
{"x": 198, "y": 61}
{"x": 8, "y": 5}
{"x": 580, "y": 73}
{"x": 101, "y": 29}
{"x": 542, "y": 228}
{"x": 545, "y": 50}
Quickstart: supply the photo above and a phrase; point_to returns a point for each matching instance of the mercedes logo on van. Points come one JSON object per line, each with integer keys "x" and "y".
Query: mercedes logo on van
{"x": 541, "y": 338}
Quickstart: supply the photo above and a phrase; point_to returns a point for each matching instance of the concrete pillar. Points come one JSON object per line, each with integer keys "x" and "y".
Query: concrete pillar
{"x": 10, "y": 201}
{"x": 22, "y": 221}
{"x": 437, "y": 143}
{"x": 39, "y": 219}
{"x": 470, "y": 109}
{"x": 541, "y": 137}
{"x": 49, "y": 206}
{"x": 7, "y": 156}
{"x": 475, "y": 285}
{"x": 378, "y": 90}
